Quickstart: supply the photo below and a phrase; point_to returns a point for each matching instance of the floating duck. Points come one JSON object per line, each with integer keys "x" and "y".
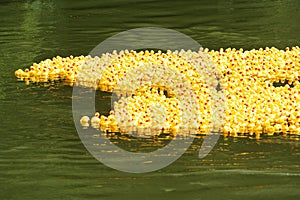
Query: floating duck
{"x": 84, "y": 121}
{"x": 95, "y": 121}
{"x": 26, "y": 76}
{"x": 103, "y": 123}
{"x": 18, "y": 73}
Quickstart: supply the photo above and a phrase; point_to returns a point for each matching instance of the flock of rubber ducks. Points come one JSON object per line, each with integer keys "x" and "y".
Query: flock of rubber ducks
{"x": 253, "y": 92}
{"x": 58, "y": 68}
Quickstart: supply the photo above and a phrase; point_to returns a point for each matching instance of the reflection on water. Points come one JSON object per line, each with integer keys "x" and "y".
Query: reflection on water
{"x": 41, "y": 156}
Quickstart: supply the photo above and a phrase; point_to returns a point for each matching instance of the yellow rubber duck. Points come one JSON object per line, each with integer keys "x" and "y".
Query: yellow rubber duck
{"x": 26, "y": 76}
{"x": 95, "y": 121}
{"x": 18, "y": 73}
{"x": 114, "y": 127}
{"x": 84, "y": 121}
{"x": 44, "y": 75}
{"x": 103, "y": 123}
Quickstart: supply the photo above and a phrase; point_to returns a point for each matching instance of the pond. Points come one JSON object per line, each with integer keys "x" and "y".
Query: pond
{"x": 41, "y": 155}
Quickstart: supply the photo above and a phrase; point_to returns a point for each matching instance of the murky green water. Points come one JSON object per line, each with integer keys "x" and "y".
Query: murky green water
{"x": 41, "y": 156}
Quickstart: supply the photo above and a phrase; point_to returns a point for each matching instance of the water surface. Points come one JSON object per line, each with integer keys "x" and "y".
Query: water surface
{"x": 41, "y": 155}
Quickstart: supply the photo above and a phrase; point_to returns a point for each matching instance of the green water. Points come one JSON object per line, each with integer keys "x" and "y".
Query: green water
{"x": 41, "y": 155}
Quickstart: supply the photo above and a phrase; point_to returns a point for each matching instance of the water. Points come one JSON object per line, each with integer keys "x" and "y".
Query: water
{"x": 41, "y": 156}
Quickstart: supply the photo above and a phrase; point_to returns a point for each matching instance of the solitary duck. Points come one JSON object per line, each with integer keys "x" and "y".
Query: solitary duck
{"x": 84, "y": 121}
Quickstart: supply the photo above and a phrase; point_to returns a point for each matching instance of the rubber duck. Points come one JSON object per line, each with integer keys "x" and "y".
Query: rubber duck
{"x": 26, "y": 76}
{"x": 233, "y": 131}
{"x": 95, "y": 121}
{"x": 53, "y": 74}
{"x": 114, "y": 127}
{"x": 257, "y": 129}
{"x": 32, "y": 73}
{"x": 18, "y": 73}
{"x": 111, "y": 122}
{"x": 293, "y": 129}
{"x": 44, "y": 75}
{"x": 278, "y": 128}
{"x": 84, "y": 121}
{"x": 103, "y": 123}
{"x": 285, "y": 128}
{"x": 269, "y": 130}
